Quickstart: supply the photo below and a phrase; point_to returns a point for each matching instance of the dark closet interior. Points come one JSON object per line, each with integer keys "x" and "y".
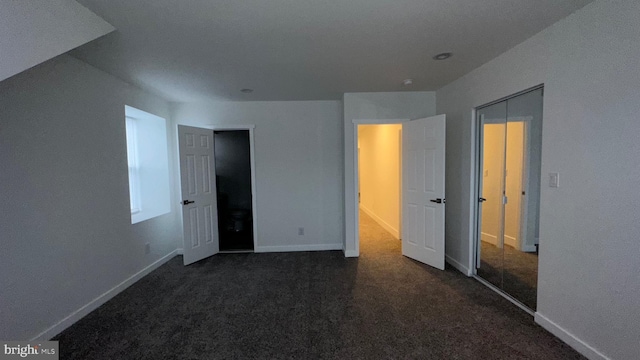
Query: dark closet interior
{"x": 233, "y": 181}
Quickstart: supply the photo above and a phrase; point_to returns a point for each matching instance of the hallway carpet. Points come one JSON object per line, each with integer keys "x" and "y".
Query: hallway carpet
{"x": 309, "y": 305}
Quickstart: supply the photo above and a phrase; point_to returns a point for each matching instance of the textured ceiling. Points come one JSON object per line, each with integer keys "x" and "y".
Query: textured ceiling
{"x": 190, "y": 50}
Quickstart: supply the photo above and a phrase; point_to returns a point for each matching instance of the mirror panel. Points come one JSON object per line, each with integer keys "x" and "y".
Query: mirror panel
{"x": 509, "y": 165}
{"x": 493, "y": 121}
{"x": 522, "y": 185}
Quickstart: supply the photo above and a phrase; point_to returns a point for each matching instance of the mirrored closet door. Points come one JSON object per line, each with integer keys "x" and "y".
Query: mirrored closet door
{"x": 510, "y": 139}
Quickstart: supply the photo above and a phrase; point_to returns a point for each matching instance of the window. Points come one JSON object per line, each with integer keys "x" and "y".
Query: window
{"x": 134, "y": 166}
{"x": 148, "y": 159}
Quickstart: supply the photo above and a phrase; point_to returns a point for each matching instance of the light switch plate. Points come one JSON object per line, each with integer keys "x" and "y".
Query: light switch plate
{"x": 554, "y": 180}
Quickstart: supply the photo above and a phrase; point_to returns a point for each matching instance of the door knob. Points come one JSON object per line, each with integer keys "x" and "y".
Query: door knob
{"x": 438, "y": 201}
{"x": 187, "y": 202}
{"x": 482, "y": 199}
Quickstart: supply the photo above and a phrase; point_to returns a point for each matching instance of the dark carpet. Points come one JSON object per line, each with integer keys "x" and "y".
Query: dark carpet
{"x": 310, "y": 305}
{"x": 514, "y": 271}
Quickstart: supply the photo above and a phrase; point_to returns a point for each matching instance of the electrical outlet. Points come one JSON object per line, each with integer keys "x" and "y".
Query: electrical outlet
{"x": 301, "y": 231}
{"x": 147, "y": 248}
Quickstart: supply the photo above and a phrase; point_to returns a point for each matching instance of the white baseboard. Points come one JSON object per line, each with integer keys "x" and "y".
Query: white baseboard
{"x": 580, "y": 346}
{"x": 463, "y": 269}
{"x": 488, "y": 238}
{"x": 180, "y": 251}
{"x": 529, "y": 248}
{"x": 290, "y": 248}
{"x": 351, "y": 253}
{"x": 493, "y": 239}
{"x": 381, "y": 222}
{"x": 511, "y": 241}
{"x": 95, "y": 303}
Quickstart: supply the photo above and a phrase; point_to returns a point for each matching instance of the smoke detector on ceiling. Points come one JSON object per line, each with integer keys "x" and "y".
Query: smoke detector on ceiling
{"x": 442, "y": 56}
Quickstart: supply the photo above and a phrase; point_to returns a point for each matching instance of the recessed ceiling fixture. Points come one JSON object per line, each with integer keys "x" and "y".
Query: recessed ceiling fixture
{"x": 247, "y": 91}
{"x": 442, "y": 56}
{"x": 407, "y": 82}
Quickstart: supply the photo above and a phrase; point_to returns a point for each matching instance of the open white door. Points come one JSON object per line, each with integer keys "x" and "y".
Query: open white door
{"x": 423, "y": 156}
{"x": 198, "y": 183}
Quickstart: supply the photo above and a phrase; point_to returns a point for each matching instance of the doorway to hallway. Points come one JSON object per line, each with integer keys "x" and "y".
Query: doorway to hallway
{"x": 420, "y": 224}
{"x": 379, "y": 151}
{"x": 376, "y": 240}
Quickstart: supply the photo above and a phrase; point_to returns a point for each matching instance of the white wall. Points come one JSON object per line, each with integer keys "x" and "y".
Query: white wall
{"x": 32, "y": 32}
{"x": 66, "y": 235}
{"x": 589, "y": 288}
{"x": 298, "y": 156}
{"x": 379, "y": 174}
{"x": 388, "y": 105}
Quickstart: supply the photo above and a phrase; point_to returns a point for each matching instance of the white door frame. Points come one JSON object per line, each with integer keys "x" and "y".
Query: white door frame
{"x": 355, "y": 185}
{"x": 254, "y": 210}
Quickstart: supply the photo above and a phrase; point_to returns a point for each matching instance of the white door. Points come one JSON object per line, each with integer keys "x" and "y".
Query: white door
{"x": 198, "y": 183}
{"x": 423, "y": 202}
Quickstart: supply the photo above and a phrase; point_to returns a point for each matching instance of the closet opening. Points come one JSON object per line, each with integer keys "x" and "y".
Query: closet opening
{"x": 232, "y": 151}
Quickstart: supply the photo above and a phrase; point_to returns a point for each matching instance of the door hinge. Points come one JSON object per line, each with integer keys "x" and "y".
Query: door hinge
{"x": 504, "y": 199}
